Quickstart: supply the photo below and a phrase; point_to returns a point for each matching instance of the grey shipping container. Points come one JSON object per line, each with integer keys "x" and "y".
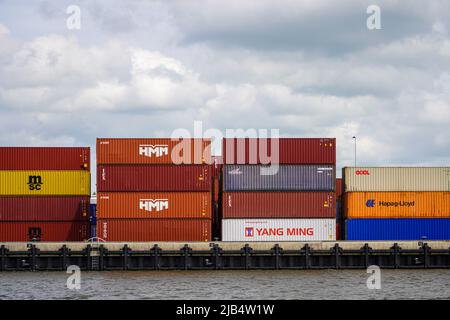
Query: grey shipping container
{"x": 361, "y": 179}
{"x": 283, "y": 178}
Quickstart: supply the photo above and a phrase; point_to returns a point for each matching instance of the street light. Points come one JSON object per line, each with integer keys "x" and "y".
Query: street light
{"x": 354, "y": 137}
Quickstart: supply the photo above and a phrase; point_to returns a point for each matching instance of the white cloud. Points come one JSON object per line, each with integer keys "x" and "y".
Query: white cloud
{"x": 3, "y": 30}
{"x": 297, "y": 67}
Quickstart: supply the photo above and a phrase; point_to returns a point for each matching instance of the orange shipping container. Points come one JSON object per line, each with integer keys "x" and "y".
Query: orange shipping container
{"x": 397, "y": 205}
{"x": 157, "y": 205}
{"x": 153, "y": 151}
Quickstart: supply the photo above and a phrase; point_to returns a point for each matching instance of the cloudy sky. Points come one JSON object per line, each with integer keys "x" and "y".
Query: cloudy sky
{"x": 309, "y": 68}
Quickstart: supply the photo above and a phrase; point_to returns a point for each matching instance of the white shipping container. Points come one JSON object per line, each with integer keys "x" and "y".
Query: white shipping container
{"x": 361, "y": 179}
{"x": 278, "y": 230}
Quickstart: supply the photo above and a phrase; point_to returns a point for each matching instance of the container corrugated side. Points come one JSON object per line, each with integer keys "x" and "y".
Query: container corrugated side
{"x": 154, "y": 229}
{"x": 43, "y": 231}
{"x": 140, "y": 178}
{"x": 279, "y": 205}
{"x": 397, "y": 205}
{"x": 45, "y": 158}
{"x": 154, "y": 205}
{"x": 153, "y": 151}
{"x": 397, "y": 229}
{"x": 278, "y": 230}
{"x": 44, "y": 208}
{"x": 45, "y": 182}
{"x": 281, "y": 178}
{"x": 362, "y": 179}
{"x": 290, "y": 150}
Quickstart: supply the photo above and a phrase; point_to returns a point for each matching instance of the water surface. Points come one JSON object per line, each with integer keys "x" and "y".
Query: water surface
{"x": 301, "y": 284}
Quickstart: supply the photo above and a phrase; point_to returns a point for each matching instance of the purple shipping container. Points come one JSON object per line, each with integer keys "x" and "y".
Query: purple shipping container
{"x": 281, "y": 178}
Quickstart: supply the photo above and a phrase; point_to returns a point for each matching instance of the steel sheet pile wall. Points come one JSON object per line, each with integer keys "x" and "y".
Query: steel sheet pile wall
{"x": 409, "y": 203}
{"x": 290, "y": 198}
{"x": 44, "y": 194}
{"x": 154, "y": 190}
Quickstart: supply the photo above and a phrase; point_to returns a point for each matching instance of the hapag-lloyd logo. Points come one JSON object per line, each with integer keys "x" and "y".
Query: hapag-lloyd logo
{"x": 158, "y": 150}
{"x": 153, "y": 204}
{"x": 371, "y": 203}
{"x": 250, "y": 232}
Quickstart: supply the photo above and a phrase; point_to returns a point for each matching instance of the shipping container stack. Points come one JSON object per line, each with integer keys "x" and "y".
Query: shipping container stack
{"x": 44, "y": 194}
{"x": 293, "y": 199}
{"x": 397, "y": 203}
{"x": 340, "y": 222}
{"x": 154, "y": 190}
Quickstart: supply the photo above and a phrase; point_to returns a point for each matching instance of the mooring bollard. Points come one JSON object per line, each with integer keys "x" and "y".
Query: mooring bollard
{"x": 156, "y": 252}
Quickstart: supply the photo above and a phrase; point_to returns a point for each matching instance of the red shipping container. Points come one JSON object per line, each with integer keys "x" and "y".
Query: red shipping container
{"x": 153, "y": 151}
{"x": 143, "y": 230}
{"x": 278, "y": 205}
{"x": 153, "y": 178}
{"x": 43, "y": 231}
{"x": 44, "y": 208}
{"x": 291, "y": 150}
{"x": 339, "y": 189}
{"x": 47, "y": 158}
{"x": 153, "y": 205}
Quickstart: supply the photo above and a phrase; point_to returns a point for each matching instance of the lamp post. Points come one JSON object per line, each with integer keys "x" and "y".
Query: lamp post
{"x": 354, "y": 137}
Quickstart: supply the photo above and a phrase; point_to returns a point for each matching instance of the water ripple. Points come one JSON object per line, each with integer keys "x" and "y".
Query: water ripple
{"x": 238, "y": 285}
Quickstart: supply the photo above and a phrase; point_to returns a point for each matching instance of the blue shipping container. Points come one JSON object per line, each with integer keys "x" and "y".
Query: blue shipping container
{"x": 93, "y": 219}
{"x": 398, "y": 229}
{"x": 283, "y": 178}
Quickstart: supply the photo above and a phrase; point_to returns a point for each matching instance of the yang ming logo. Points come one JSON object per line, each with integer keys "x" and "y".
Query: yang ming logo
{"x": 249, "y": 232}
{"x": 370, "y": 203}
{"x": 34, "y": 182}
